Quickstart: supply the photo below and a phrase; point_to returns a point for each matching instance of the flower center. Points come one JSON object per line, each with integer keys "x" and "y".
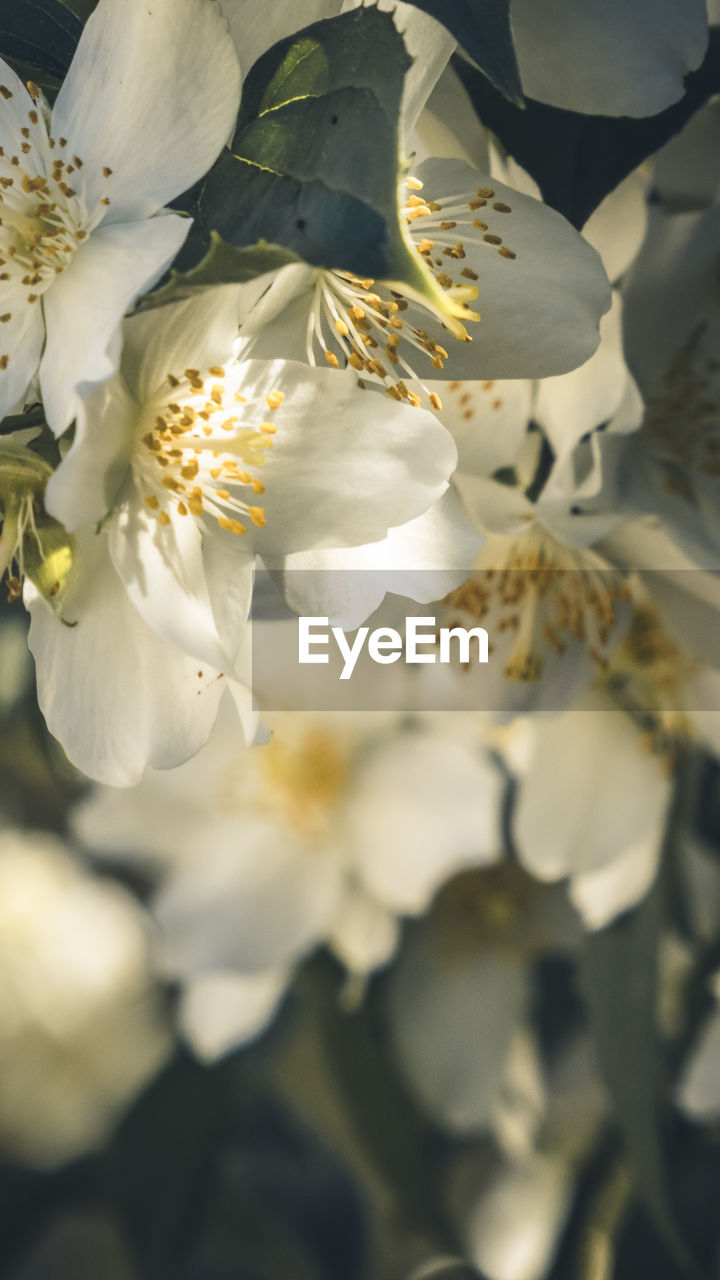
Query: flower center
{"x": 299, "y": 778}
{"x": 543, "y": 597}
{"x": 305, "y": 777}
{"x": 646, "y": 676}
{"x": 682, "y": 420}
{"x": 201, "y": 445}
{"x": 379, "y": 331}
{"x": 43, "y": 215}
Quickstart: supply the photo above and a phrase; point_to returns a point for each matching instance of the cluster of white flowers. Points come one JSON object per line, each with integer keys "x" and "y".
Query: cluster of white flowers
{"x": 523, "y": 434}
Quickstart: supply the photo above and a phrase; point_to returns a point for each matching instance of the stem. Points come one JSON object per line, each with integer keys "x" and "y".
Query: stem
{"x": 597, "y": 1252}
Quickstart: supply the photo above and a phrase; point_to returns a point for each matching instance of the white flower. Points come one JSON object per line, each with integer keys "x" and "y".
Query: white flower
{"x": 327, "y": 834}
{"x": 460, "y": 1003}
{"x": 200, "y": 462}
{"x": 80, "y": 1028}
{"x": 149, "y": 100}
{"x": 540, "y": 291}
{"x": 592, "y": 807}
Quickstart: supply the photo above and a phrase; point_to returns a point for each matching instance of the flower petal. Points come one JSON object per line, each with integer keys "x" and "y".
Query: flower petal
{"x": 540, "y": 310}
{"x": 256, "y": 28}
{"x": 198, "y": 333}
{"x": 85, "y": 305}
{"x": 260, "y": 900}
{"x": 172, "y": 573}
{"x": 605, "y": 893}
{"x": 423, "y": 560}
{"x": 514, "y": 1229}
{"x": 617, "y": 59}
{"x": 21, "y": 342}
{"x": 116, "y": 696}
{"x": 365, "y": 934}
{"x": 422, "y": 808}
{"x": 222, "y": 1010}
{"x": 592, "y": 793}
{"x": 487, "y": 420}
{"x": 569, "y": 406}
{"x": 346, "y": 465}
{"x": 152, "y": 94}
{"x": 83, "y": 487}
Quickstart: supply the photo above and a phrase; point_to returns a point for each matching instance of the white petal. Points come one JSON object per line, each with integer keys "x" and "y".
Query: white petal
{"x": 85, "y": 305}
{"x": 422, "y": 808}
{"x": 540, "y": 311}
{"x": 487, "y": 421}
{"x": 449, "y": 126}
{"x": 605, "y": 893}
{"x": 575, "y": 403}
{"x": 173, "y": 574}
{"x": 346, "y": 465}
{"x": 220, "y": 1011}
{"x": 699, "y": 1089}
{"x": 454, "y": 1016}
{"x": 514, "y": 1230}
{"x": 84, "y": 486}
{"x": 365, "y": 934}
{"x": 258, "y": 899}
{"x": 21, "y": 340}
{"x": 592, "y": 793}
{"x": 116, "y": 695}
{"x": 496, "y": 508}
{"x": 617, "y": 59}
{"x": 152, "y": 94}
{"x": 256, "y": 28}
{"x": 423, "y": 560}
{"x": 617, "y": 227}
{"x": 198, "y": 334}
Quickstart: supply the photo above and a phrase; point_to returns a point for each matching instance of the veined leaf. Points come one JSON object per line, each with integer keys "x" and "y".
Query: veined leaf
{"x": 222, "y": 264}
{"x": 313, "y": 172}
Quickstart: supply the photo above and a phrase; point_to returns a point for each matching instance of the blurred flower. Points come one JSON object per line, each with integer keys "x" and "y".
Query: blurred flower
{"x": 460, "y": 1001}
{"x": 80, "y": 1029}
{"x": 150, "y": 97}
{"x": 327, "y": 834}
{"x": 592, "y": 806}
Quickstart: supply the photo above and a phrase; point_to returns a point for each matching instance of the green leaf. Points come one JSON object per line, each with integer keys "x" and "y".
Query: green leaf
{"x": 484, "y": 30}
{"x": 222, "y": 264}
{"x": 314, "y": 163}
{"x": 314, "y": 170}
{"x": 41, "y": 35}
{"x": 395, "y": 1137}
{"x": 578, "y": 159}
{"x": 619, "y": 977}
